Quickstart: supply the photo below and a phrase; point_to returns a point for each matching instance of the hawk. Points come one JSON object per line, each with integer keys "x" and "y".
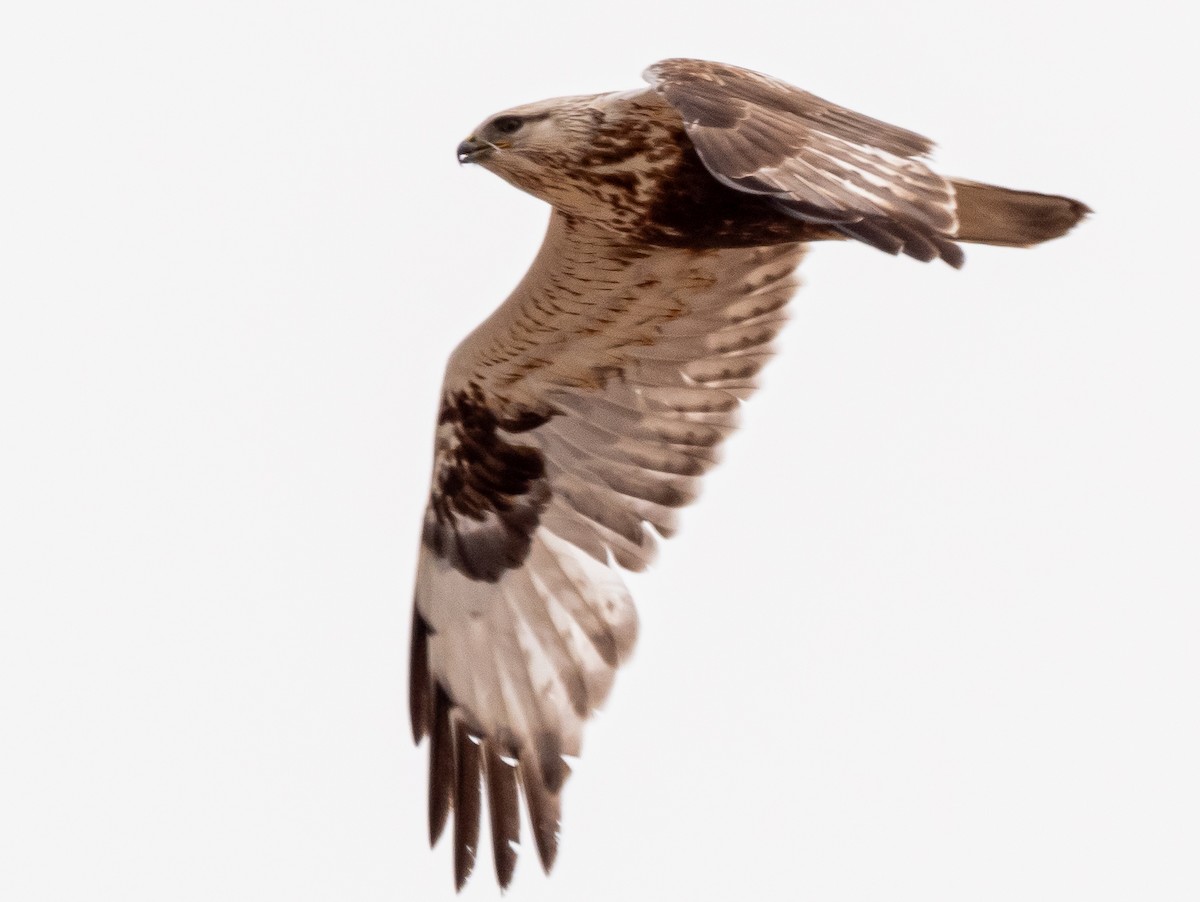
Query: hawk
{"x": 578, "y": 419}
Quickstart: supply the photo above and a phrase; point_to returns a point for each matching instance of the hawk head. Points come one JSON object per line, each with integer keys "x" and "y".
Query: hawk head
{"x": 586, "y": 156}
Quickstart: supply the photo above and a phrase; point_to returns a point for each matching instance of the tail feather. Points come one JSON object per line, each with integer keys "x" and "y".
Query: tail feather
{"x": 988, "y": 214}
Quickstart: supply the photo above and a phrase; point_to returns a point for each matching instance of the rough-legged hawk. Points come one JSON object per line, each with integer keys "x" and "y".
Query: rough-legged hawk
{"x": 578, "y": 419}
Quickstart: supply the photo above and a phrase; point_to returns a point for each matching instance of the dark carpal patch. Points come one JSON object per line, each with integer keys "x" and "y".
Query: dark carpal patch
{"x": 488, "y": 492}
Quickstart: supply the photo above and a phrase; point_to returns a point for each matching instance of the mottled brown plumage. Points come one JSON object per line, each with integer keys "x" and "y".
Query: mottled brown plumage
{"x": 581, "y": 415}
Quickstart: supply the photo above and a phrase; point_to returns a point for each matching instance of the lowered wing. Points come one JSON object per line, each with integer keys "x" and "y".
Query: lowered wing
{"x": 575, "y": 422}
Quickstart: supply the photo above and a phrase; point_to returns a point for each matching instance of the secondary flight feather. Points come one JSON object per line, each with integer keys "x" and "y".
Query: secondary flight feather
{"x": 578, "y": 419}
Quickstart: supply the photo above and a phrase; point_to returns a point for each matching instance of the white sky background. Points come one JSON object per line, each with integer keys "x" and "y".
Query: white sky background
{"x": 930, "y": 634}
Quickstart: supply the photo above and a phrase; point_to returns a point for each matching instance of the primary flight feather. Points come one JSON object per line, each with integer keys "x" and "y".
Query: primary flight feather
{"x": 580, "y": 416}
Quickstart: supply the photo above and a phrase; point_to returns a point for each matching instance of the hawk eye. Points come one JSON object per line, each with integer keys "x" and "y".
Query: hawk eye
{"x": 506, "y": 125}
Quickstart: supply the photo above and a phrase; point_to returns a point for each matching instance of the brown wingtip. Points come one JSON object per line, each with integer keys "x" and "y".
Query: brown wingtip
{"x": 441, "y": 765}
{"x": 546, "y": 839}
{"x": 505, "y": 816}
{"x": 418, "y": 677}
{"x": 466, "y": 806}
{"x": 544, "y": 810}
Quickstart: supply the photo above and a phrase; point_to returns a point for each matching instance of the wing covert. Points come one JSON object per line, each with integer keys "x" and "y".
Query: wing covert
{"x": 816, "y": 161}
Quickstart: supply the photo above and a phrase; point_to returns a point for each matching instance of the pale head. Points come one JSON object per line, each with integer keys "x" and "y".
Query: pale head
{"x": 532, "y": 145}
{"x": 571, "y": 152}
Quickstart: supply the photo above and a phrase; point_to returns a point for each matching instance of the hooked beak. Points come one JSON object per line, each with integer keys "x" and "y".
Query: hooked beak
{"x": 471, "y": 149}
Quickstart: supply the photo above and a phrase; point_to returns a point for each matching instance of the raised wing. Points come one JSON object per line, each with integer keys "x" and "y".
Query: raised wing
{"x": 575, "y": 422}
{"x": 817, "y": 161}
